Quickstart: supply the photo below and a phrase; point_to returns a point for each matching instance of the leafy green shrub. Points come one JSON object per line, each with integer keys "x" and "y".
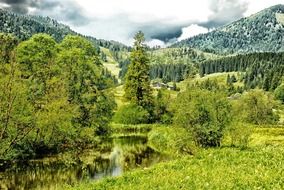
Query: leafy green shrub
{"x": 162, "y": 113}
{"x": 256, "y": 107}
{"x": 131, "y": 114}
{"x": 171, "y": 140}
{"x": 279, "y": 93}
{"x": 204, "y": 114}
{"x": 239, "y": 134}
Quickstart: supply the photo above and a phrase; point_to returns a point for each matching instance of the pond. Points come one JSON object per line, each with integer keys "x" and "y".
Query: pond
{"x": 119, "y": 155}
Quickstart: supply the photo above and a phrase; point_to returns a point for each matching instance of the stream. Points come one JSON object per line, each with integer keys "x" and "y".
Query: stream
{"x": 119, "y": 155}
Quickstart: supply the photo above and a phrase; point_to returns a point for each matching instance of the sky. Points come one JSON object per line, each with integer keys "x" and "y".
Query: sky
{"x": 162, "y": 21}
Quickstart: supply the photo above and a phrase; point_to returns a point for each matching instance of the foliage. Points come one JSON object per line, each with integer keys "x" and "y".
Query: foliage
{"x": 137, "y": 80}
{"x": 171, "y": 64}
{"x": 131, "y": 114}
{"x": 51, "y": 94}
{"x": 279, "y": 93}
{"x": 171, "y": 140}
{"x": 82, "y": 72}
{"x": 256, "y": 107}
{"x": 263, "y": 70}
{"x": 239, "y": 134}
{"x": 16, "y": 112}
{"x": 162, "y": 111}
{"x": 204, "y": 114}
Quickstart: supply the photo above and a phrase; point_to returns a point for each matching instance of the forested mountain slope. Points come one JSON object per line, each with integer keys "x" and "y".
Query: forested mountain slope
{"x": 261, "y": 32}
{"x": 263, "y": 70}
{"x": 24, "y": 26}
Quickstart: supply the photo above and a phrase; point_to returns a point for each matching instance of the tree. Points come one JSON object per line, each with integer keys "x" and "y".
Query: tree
{"x": 83, "y": 75}
{"x": 204, "y": 114}
{"x": 137, "y": 79}
{"x": 47, "y": 92}
{"x": 279, "y": 93}
{"x": 257, "y": 107}
{"x": 7, "y": 45}
{"x": 161, "y": 111}
{"x": 16, "y": 113}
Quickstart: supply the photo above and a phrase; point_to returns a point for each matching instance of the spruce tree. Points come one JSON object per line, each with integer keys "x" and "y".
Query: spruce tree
{"x": 137, "y": 80}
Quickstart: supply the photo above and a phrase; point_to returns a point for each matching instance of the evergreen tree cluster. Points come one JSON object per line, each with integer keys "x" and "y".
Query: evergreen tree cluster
{"x": 262, "y": 32}
{"x": 171, "y": 64}
{"x": 170, "y": 72}
{"x": 263, "y": 70}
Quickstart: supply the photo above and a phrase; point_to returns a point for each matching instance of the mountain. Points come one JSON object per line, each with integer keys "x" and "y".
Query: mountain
{"x": 24, "y": 26}
{"x": 261, "y": 32}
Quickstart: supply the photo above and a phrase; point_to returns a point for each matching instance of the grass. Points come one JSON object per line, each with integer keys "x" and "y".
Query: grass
{"x": 258, "y": 167}
{"x": 225, "y": 168}
{"x": 267, "y": 136}
{"x": 118, "y": 94}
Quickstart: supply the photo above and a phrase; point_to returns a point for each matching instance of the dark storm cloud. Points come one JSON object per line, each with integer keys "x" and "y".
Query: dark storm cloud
{"x": 20, "y": 6}
{"x": 223, "y": 12}
{"x": 167, "y": 35}
{"x": 66, "y": 11}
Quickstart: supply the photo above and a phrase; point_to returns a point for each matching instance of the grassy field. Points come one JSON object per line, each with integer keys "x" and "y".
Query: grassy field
{"x": 260, "y": 166}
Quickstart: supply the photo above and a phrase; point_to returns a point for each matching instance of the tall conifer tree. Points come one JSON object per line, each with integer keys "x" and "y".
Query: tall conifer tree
{"x": 137, "y": 79}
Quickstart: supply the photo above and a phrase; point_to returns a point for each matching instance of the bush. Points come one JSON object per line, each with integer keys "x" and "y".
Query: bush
{"x": 256, "y": 107}
{"x": 131, "y": 114}
{"x": 279, "y": 93}
{"x": 161, "y": 109}
{"x": 204, "y": 114}
{"x": 239, "y": 134}
{"x": 171, "y": 140}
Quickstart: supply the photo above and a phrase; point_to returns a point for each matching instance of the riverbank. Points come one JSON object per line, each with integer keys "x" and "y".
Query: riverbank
{"x": 260, "y": 166}
{"x": 116, "y": 156}
{"x": 225, "y": 168}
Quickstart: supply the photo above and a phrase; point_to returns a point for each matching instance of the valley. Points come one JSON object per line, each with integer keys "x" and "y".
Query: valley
{"x": 78, "y": 112}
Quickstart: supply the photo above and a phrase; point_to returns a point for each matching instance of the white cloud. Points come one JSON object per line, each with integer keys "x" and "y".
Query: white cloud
{"x": 191, "y": 31}
{"x": 170, "y": 12}
{"x": 3, "y": 5}
{"x": 156, "y": 42}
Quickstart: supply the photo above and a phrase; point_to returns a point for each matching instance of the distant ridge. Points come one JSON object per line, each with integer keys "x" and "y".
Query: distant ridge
{"x": 261, "y": 32}
{"x": 24, "y": 26}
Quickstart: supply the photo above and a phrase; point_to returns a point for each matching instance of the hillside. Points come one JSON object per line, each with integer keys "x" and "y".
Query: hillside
{"x": 261, "y": 32}
{"x": 24, "y": 26}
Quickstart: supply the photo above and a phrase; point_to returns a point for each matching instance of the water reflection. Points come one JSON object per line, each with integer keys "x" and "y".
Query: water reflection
{"x": 51, "y": 173}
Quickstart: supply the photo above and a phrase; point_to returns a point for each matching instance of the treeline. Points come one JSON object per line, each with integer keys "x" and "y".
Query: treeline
{"x": 170, "y": 65}
{"x": 263, "y": 70}
{"x": 53, "y": 96}
{"x": 166, "y": 72}
{"x": 170, "y": 72}
{"x": 25, "y": 26}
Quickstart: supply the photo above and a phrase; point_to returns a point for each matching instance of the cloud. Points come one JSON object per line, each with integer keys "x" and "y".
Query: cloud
{"x": 19, "y": 6}
{"x": 156, "y": 42}
{"x": 67, "y": 11}
{"x": 160, "y": 20}
{"x": 225, "y": 11}
{"x": 191, "y": 31}
{"x": 120, "y": 19}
